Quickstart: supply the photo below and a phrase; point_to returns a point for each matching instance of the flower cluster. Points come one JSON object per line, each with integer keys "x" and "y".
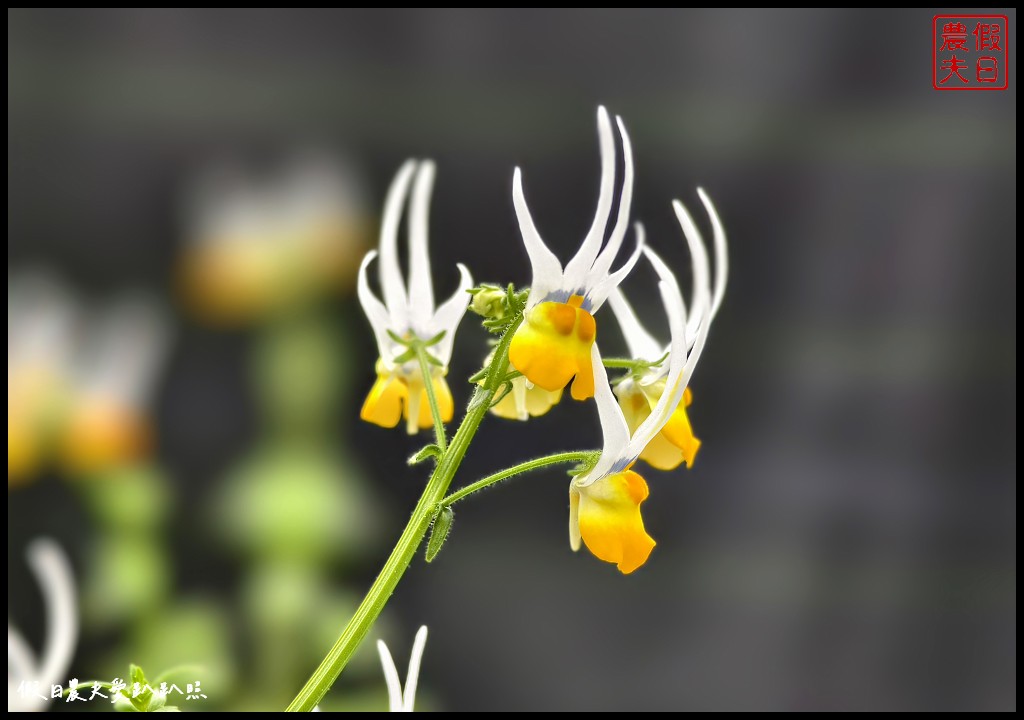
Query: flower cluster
{"x": 554, "y": 343}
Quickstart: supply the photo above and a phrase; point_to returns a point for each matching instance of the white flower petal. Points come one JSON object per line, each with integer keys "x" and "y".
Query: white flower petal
{"x": 641, "y": 345}
{"x": 53, "y": 571}
{"x": 603, "y": 288}
{"x": 391, "y": 282}
{"x": 375, "y": 311}
{"x": 449, "y": 315}
{"x": 395, "y": 701}
{"x": 578, "y": 268}
{"x": 614, "y": 430}
{"x": 547, "y": 270}
{"x": 21, "y": 661}
{"x": 604, "y": 261}
{"x": 413, "y": 676}
{"x": 421, "y": 291}
{"x": 675, "y": 384}
{"x": 574, "y": 518}
{"x": 721, "y": 253}
{"x": 695, "y": 241}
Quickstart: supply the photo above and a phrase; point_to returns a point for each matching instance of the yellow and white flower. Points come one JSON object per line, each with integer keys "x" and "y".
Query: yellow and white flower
{"x": 399, "y": 389}
{"x": 638, "y": 393}
{"x": 604, "y": 503}
{"x": 553, "y": 344}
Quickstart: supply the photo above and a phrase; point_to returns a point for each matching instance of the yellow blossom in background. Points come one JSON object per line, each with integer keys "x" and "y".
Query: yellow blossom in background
{"x": 79, "y": 380}
{"x": 256, "y": 247}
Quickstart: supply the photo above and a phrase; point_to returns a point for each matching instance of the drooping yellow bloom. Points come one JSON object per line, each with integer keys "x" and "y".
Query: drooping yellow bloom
{"x": 400, "y": 389}
{"x": 552, "y": 345}
{"x": 639, "y": 392}
{"x": 606, "y": 516}
{"x": 605, "y": 501}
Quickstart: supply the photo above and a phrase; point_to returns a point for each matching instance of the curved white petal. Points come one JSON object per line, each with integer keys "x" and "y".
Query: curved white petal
{"x": 421, "y": 291}
{"x": 640, "y": 343}
{"x": 413, "y": 676}
{"x": 53, "y": 571}
{"x": 391, "y": 282}
{"x": 603, "y": 288}
{"x": 672, "y": 297}
{"x": 21, "y": 661}
{"x": 614, "y": 430}
{"x": 546, "y": 269}
{"x": 449, "y": 315}
{"x": 375, "y": 310}
{"x": 604, "y": 261}
{"x": 698, "y": 347}
{"x": 578, "y": 268}
{"x": 721, "y": 253}
{"x": 701, "y": 273}
{"x": 390, "y": 677}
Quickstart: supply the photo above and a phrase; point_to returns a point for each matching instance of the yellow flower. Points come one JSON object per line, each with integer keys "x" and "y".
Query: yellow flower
{"x": 675, "y": 443}
{"x": 400, "y": 388}
{"x": 605, "y": 501}
{"x": 639, "y": 392}
{"x": 553, "y": 344}
{"x": 398, "y": 393}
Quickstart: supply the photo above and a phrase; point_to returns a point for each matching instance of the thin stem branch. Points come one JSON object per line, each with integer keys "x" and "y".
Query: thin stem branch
{"x": 415, "y": 530}
{"x": 428, "y": 384}
{"x": 566, "y": 457}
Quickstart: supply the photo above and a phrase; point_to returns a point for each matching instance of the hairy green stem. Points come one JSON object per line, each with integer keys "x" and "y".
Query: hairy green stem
{"x": 566, "y": 457}
{"x": 428, "y": 383}
{"x": 422, "y": 515}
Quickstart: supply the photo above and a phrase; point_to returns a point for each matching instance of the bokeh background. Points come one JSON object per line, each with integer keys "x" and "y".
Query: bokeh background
{"x": 846, "y": 539}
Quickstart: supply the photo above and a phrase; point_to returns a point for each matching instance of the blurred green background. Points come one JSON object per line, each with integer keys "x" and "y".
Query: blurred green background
{"x": 846, "y": 539}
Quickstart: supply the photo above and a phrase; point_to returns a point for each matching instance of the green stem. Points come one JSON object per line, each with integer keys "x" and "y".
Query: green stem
{"x": 428, "y": 383}
{"x": 566, "y": 457}
{"x": 622, "y": 363}
{"x": 422, "y": 515}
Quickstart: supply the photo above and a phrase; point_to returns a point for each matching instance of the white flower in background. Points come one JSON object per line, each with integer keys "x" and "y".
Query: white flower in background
{"x": 639, "y": 392}
{"x": 408, "y": 311}
{"x": 399, "y": 701}
{"x": 120, "y": 354}
{"x": 553, "y": 343}
{"x": 259, "y": 243}
{"x": 79, "y": 380}
{"x": 41, "y": 317}
{"x": 604, "y": 503}
{"x": 29, "y": 676}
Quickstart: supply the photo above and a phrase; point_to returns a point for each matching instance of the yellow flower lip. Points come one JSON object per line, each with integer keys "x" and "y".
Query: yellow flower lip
{"x": 395, "y": 395}
{"x": 553, "y": 346}
{"x": 607, "y": 517}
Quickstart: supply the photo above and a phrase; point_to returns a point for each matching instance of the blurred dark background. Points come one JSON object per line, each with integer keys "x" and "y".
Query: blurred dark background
{"x": 846, "y": 539}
